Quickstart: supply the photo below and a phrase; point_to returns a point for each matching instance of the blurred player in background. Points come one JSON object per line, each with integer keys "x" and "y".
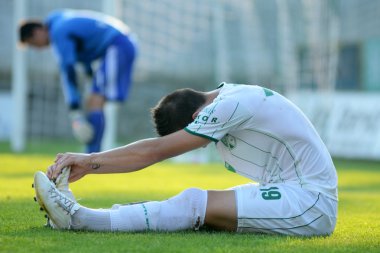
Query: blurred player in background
{"x": 80, "y": 36}
{"x": 259, "y": 134}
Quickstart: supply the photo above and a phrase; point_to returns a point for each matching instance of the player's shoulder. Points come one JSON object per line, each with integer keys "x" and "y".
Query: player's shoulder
{"x": 243, "y": 93}
{"x": 62, "y": 23}
{"x": 52, "y": 18}
{"x": 245, "y": 99}
{"x": 237, "y": 89}
{"x": 55, "y": 21}
{"x": 58, "y": 15}
{"x": 228, "y": 102}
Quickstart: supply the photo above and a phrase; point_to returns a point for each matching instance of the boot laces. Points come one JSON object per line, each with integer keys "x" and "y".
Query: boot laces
{"x": 64, "y": 202}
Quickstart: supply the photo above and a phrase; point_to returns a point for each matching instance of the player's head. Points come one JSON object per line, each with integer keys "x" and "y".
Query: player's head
{"x": 175, "y": 111}
{"x": 34, "y": 33}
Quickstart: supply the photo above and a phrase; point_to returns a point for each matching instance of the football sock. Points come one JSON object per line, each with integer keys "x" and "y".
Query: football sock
{"x": 91, "y": 219}
{"x": 184, "y": 211}
{"x": 96, "y": 119}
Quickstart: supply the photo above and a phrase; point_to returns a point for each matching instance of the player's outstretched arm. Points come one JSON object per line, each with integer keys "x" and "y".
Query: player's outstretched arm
{"x": 132, "y": 157}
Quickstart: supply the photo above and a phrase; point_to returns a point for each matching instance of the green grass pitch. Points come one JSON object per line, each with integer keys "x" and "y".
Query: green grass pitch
{"x": 21, "y": 222}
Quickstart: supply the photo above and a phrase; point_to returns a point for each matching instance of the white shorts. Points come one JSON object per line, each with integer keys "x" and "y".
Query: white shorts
{"x": 284, "y": 209}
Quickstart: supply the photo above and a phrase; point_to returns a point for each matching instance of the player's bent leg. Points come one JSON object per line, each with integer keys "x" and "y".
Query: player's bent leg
{"x": 95, "y": 117}
{"x": 221, "y": 210}
{"x": 95, "y": 102}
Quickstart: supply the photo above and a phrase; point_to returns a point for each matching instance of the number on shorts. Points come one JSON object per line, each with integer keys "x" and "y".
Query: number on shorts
{"x": 270, "y": 193}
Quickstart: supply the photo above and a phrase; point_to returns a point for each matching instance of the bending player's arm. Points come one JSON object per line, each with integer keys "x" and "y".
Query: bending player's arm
{"x": 82, "y": 129}
{"x": 64, "y": 49}
{"x": 70, "y": 86}
{"x": 132, "y": 157}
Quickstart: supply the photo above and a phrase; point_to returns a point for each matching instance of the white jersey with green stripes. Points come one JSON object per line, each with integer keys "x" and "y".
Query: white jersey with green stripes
{"x": 263, "y": 136}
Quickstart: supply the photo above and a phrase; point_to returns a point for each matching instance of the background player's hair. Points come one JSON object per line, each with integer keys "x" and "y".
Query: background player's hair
{"x": 174, "y": 111}
{"x": 27, "y": 28}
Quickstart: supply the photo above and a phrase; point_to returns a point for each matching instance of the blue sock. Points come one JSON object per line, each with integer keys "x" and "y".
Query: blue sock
{"x": 96, "y": 119}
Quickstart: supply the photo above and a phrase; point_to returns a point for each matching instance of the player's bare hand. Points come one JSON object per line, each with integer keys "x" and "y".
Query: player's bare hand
{"x": 79, "y": 163}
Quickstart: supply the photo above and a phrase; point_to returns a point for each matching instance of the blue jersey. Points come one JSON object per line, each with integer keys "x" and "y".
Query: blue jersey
{"x": 80, "y": 36}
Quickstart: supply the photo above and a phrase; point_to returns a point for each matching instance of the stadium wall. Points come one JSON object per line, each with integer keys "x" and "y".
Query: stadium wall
{"x": 289, "y": 46}
{"x": 347, "y": 122}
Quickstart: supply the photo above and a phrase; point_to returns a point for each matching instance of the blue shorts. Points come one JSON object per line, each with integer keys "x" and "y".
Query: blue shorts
{"x": 113, "y": 77}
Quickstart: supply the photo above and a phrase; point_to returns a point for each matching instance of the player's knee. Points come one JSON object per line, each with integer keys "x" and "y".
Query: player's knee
{"x": 191, "y": 195}
{"x": 188, "y": 207}
{"x": 95, "y": 102}
{"x": 197, "y": 200}
{"x": 192, "y": 198}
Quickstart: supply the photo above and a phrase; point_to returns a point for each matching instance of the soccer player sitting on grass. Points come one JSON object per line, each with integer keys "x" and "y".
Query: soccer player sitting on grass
{"x": 86, "y": 37}
{"x": 259, "y": 134}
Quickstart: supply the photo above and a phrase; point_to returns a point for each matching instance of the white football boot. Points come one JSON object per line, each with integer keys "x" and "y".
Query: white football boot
{"x": 57, "y": 205}
{"x": 62, "y": 184}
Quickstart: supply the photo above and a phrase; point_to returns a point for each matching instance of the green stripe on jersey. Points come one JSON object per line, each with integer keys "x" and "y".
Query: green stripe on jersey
{"x": 229, "y": 167}
{"x": 221, "y": 85}
{"x": 268, "y": 92}
{"x": 200, "y": 135}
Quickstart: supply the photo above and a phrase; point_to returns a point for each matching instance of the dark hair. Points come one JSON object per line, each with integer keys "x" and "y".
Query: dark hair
{"x": 27, "y": 28}
{"x": 175, "y": 111}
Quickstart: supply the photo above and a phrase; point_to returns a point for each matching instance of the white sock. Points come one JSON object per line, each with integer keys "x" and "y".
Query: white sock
{"x": 186, "y": 210}
{"x": 91, "y": 219}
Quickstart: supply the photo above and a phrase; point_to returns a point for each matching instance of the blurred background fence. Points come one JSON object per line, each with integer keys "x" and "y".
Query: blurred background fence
{"x": 310, "y": 50}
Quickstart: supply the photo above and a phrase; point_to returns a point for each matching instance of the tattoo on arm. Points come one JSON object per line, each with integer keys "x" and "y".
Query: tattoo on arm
{"x": 95, "y": 166}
